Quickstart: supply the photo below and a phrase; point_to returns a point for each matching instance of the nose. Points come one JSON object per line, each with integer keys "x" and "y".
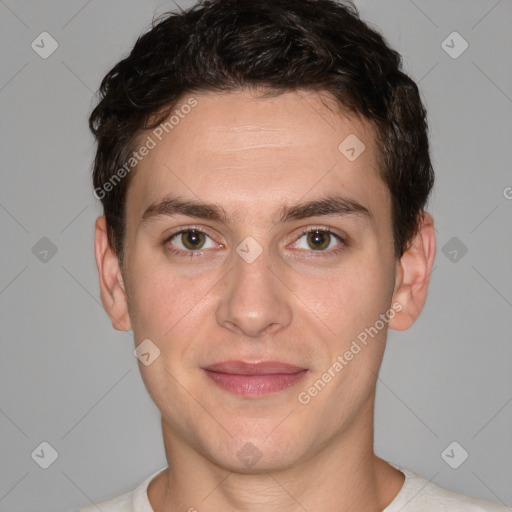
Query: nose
{"x": 254, "y": 300}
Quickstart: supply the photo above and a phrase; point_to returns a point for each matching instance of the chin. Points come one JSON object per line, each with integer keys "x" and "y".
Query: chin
{"x": 253, "y": 454}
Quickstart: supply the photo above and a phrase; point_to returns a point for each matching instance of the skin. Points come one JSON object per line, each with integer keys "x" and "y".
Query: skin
{"x": 294, "y": 304}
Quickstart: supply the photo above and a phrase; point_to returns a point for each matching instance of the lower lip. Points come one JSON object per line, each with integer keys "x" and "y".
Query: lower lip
{"x": 255, "y": 385}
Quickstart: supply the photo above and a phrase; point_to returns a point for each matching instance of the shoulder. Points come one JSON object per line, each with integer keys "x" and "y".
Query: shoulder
{"x": 135, "y": 500}
{"x": 420, "y": 495}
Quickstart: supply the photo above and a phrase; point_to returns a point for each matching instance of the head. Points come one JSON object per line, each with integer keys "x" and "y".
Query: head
{"x": 253, "y": 123}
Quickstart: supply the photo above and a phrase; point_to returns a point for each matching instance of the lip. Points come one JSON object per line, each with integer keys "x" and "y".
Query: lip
{"x": 254, "y": 379}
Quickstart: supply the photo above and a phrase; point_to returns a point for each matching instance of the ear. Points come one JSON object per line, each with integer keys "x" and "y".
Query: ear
{"x": 112, "y": 288}
{"x": 413, "y": 275}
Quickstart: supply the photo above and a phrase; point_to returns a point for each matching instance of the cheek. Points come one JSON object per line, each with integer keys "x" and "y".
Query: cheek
{"x": 351, "y": 298}
{"x": 158, "y": 300}
{"x": 172, "y": 311}
{"x": 165, "y": 309}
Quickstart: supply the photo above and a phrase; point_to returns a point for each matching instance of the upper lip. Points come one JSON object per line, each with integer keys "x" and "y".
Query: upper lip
{"x": 254, "y": 368}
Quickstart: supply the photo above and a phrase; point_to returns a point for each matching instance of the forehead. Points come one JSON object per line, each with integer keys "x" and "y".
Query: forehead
{"x": 246, "y": 151}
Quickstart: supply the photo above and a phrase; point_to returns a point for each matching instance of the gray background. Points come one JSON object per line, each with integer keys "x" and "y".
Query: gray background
{"x": 69, "y": 379}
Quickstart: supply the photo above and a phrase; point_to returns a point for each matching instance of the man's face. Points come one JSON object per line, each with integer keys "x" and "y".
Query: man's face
{"x": 253, "y": 288}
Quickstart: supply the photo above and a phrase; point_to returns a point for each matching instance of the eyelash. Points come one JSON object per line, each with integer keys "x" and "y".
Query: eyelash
{"x": 199, "y": 252}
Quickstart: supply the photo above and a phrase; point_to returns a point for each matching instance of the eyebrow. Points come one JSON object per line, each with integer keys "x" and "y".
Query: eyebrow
{"x": 170, "y": 206}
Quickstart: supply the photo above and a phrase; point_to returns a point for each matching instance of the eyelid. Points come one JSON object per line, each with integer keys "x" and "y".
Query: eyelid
{"x": 324, "y": 229}
{"x": 184, "y": 229}
{"x": 296, "y": 238}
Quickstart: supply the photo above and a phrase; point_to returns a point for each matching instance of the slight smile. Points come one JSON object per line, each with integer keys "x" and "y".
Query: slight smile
{"x": 254, "y": 379}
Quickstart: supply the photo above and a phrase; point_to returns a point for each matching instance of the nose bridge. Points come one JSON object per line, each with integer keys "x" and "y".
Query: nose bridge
{"x": 253, "y": 299}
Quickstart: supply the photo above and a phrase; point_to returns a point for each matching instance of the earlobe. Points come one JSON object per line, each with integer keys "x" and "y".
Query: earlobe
{"x": 112, "y": 287}
{"x": 413, "y": 275}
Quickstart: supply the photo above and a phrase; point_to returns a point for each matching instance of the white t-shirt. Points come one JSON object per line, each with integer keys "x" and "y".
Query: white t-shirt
{"x": 416, "y": 495}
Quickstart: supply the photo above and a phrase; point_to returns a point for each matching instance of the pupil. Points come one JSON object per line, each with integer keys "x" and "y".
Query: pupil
{"x": 192, "y": 239}
{"x": 319, "y": 239}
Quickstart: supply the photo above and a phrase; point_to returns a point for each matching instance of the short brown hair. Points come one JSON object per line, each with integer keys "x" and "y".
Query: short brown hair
{"x": 281, "y": 45}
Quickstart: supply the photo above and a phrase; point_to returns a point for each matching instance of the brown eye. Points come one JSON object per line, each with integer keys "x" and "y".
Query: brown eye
{"x": 190, "y": 242}
{"x": 321, "y": 240}
{"x": 318, "y": 240}
{"x": 192, "y": 239}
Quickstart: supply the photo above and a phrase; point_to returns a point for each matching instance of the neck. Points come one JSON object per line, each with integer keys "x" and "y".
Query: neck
{"x": 344, "y": 475}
